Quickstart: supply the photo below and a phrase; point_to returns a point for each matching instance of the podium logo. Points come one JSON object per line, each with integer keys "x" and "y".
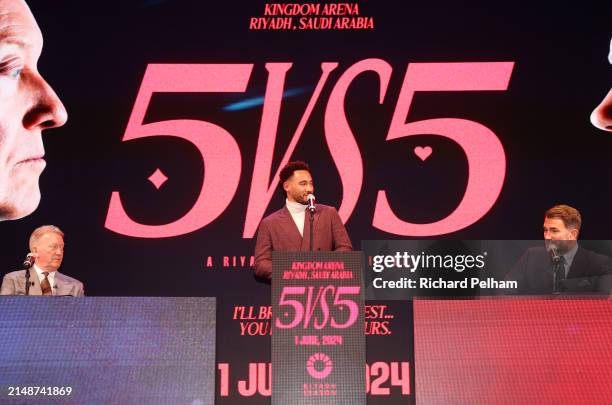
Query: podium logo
{"x": 319, "y": 366}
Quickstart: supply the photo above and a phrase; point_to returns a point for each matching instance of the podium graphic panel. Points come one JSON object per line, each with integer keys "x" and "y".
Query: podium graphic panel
{"x": 318, "y": 340}
{"x": 519, "y": 351}
{"x": 101, "y": 350}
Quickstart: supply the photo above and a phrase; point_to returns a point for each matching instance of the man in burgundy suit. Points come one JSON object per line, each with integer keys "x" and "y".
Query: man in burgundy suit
{"x": 288, "y": 229}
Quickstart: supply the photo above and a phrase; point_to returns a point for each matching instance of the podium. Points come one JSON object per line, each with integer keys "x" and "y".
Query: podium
{"x": 318, "y": 340}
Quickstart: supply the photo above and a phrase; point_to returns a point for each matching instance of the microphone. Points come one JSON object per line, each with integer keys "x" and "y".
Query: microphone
{"x": 311, "y": 204}
{"x": 554, "y": 254}
{"x": 29, "y": 260}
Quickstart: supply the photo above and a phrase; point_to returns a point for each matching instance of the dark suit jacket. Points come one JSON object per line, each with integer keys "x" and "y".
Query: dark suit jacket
{"x": 14, "y": 284}
{"x": 589, "y": 272}
{"x": 278, "y": 232}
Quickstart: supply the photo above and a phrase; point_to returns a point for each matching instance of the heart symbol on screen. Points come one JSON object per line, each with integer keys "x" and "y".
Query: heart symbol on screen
{"x": 423, "y": 152}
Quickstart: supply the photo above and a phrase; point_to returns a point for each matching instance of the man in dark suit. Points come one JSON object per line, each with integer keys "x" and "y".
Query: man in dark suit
{"x": 562, "y": 266}
{"x": 288, "y": 229}
{"x": 47, "y": 246}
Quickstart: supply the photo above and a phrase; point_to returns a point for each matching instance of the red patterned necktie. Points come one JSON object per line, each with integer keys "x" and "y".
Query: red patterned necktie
{"x": 45, "y": 285}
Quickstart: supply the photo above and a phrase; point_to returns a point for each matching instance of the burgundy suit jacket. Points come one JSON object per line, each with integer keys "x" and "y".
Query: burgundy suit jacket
{"x": 278, "y": 231}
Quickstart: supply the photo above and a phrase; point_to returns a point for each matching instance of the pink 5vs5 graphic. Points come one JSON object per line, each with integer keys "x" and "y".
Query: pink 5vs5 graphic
{"x": 223, "y": 161}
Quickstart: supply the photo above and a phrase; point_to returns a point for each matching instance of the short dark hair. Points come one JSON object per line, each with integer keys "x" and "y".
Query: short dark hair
{"x": 291, "y": 167}
{"x": 569, "y": 215}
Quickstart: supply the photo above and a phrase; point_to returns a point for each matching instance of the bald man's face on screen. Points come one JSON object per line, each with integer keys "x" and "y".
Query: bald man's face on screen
{"x": 601, "y": 117}
{"x": 28, "y": 105}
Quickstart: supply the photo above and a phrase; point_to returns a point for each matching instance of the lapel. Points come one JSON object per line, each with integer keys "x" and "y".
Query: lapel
{"x": 305, "y": 246}
{"x": 62, "y": 286}
{"x": 540, "y": 270}
{"x": 579, "y": 264}
{"x": 290, "y": 229}
{"x": 35, "y": 288}
{"x": 59, "y": 284}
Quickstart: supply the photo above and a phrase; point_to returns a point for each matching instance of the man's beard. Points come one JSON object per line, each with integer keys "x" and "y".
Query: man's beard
{"x": 561, "y": 246}
{"x": 302, "y": 199}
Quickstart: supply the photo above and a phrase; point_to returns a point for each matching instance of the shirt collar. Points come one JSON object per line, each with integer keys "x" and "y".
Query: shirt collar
{"x": 295, "y": 207}
{"x": 40, "y": 272}
{"x": 570, "y": 254}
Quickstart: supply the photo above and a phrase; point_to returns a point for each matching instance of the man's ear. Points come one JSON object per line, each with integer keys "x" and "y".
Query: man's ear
{"x": 574, "y": 232}
{"x": 285, "y": 185}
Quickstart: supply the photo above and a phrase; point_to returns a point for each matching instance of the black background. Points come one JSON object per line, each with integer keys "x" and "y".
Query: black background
{"x": 95, "y": 56}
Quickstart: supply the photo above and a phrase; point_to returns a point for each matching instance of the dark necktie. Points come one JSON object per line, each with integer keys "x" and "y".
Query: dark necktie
{"x": 45, "y": 285}
{"x": 559, "y": 269}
